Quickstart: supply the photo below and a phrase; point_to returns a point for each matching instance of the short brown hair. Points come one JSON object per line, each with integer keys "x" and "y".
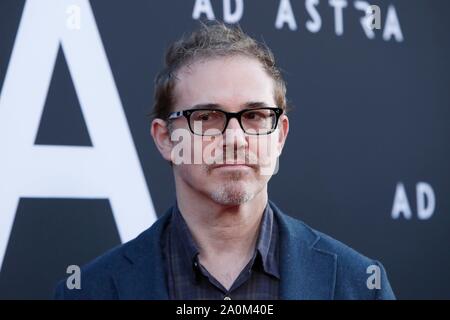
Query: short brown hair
{"x": 211, "y": 40}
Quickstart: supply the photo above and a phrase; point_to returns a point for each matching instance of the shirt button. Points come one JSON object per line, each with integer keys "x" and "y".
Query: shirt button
{"x": 226, "y": 298}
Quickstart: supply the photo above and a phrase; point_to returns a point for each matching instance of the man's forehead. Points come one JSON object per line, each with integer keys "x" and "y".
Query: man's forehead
{"x": 227, "y": 81}
{"x": 245, "y": 105}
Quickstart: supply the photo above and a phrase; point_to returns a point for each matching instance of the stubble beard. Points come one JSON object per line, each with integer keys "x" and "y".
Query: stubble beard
{"x": 231, "y": 191}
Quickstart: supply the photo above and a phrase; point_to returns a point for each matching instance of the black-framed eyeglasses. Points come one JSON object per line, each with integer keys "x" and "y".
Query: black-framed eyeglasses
{"x": 212, "y": 122}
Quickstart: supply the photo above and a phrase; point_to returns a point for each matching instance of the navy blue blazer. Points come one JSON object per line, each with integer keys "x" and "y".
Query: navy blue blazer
{"x": 312, "y": 266}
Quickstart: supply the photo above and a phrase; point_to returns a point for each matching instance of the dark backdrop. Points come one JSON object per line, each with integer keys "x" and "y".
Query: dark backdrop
{"x": 370, "y": 119}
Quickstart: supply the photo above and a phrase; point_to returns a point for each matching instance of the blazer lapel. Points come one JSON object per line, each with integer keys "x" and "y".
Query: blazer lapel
{"x": 306, "y": 272}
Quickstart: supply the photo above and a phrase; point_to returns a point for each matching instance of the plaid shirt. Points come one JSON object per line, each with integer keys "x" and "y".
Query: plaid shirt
{"x": 188, "y": 279}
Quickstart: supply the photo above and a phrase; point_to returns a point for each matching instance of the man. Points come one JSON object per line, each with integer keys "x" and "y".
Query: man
{"x": 222, "y": 93}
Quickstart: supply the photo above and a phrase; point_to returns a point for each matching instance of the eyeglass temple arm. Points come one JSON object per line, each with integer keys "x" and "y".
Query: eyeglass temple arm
{"x": 175, "y": 115}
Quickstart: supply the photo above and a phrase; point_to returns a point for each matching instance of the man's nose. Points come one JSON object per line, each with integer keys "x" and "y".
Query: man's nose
{"x": 235, "y": 138}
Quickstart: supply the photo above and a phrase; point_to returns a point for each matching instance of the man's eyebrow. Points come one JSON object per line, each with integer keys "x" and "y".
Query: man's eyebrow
{"x": 206, "y": 106}
{"x": 250, "y": 104}
{"x": 256, "y": 104}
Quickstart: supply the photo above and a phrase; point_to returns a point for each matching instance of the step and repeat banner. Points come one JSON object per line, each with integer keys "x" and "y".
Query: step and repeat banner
{"x": 367, "y": 158}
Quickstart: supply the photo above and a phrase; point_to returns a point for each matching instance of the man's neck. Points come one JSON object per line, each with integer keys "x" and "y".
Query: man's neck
{"x": 225, "y": 235}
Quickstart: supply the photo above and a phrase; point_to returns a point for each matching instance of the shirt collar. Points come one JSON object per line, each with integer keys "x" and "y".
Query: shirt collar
{"x": 266, "y": 244}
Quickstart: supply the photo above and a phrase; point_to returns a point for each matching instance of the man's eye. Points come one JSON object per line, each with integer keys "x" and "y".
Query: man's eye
{"x": 205, "y": 116}
{"x": 254, "y": 116}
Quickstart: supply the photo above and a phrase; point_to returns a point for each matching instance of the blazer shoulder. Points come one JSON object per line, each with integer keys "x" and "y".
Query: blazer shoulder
{"x": 322, "y": 242}
{"x": 357, "y": 276}
{"x": 97, "y": 276}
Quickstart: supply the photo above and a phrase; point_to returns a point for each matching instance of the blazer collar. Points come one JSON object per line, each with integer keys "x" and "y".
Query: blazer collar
{"x": 306, "y": 271}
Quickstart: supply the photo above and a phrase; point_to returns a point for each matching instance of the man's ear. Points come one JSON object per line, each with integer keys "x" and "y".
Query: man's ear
{"x": 283, "y": 132}
{"x": 161, "y": 136}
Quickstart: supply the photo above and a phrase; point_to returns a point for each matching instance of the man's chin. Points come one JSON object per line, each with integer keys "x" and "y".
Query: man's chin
{"x": 231, "y": 193}
{"x": 231, "y": 199}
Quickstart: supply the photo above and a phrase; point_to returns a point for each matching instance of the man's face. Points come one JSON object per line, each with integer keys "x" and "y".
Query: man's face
{"x": 234, "y": 166}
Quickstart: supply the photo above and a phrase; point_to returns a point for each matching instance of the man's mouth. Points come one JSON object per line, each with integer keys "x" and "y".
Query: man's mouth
{"x": 235, "y": 166}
